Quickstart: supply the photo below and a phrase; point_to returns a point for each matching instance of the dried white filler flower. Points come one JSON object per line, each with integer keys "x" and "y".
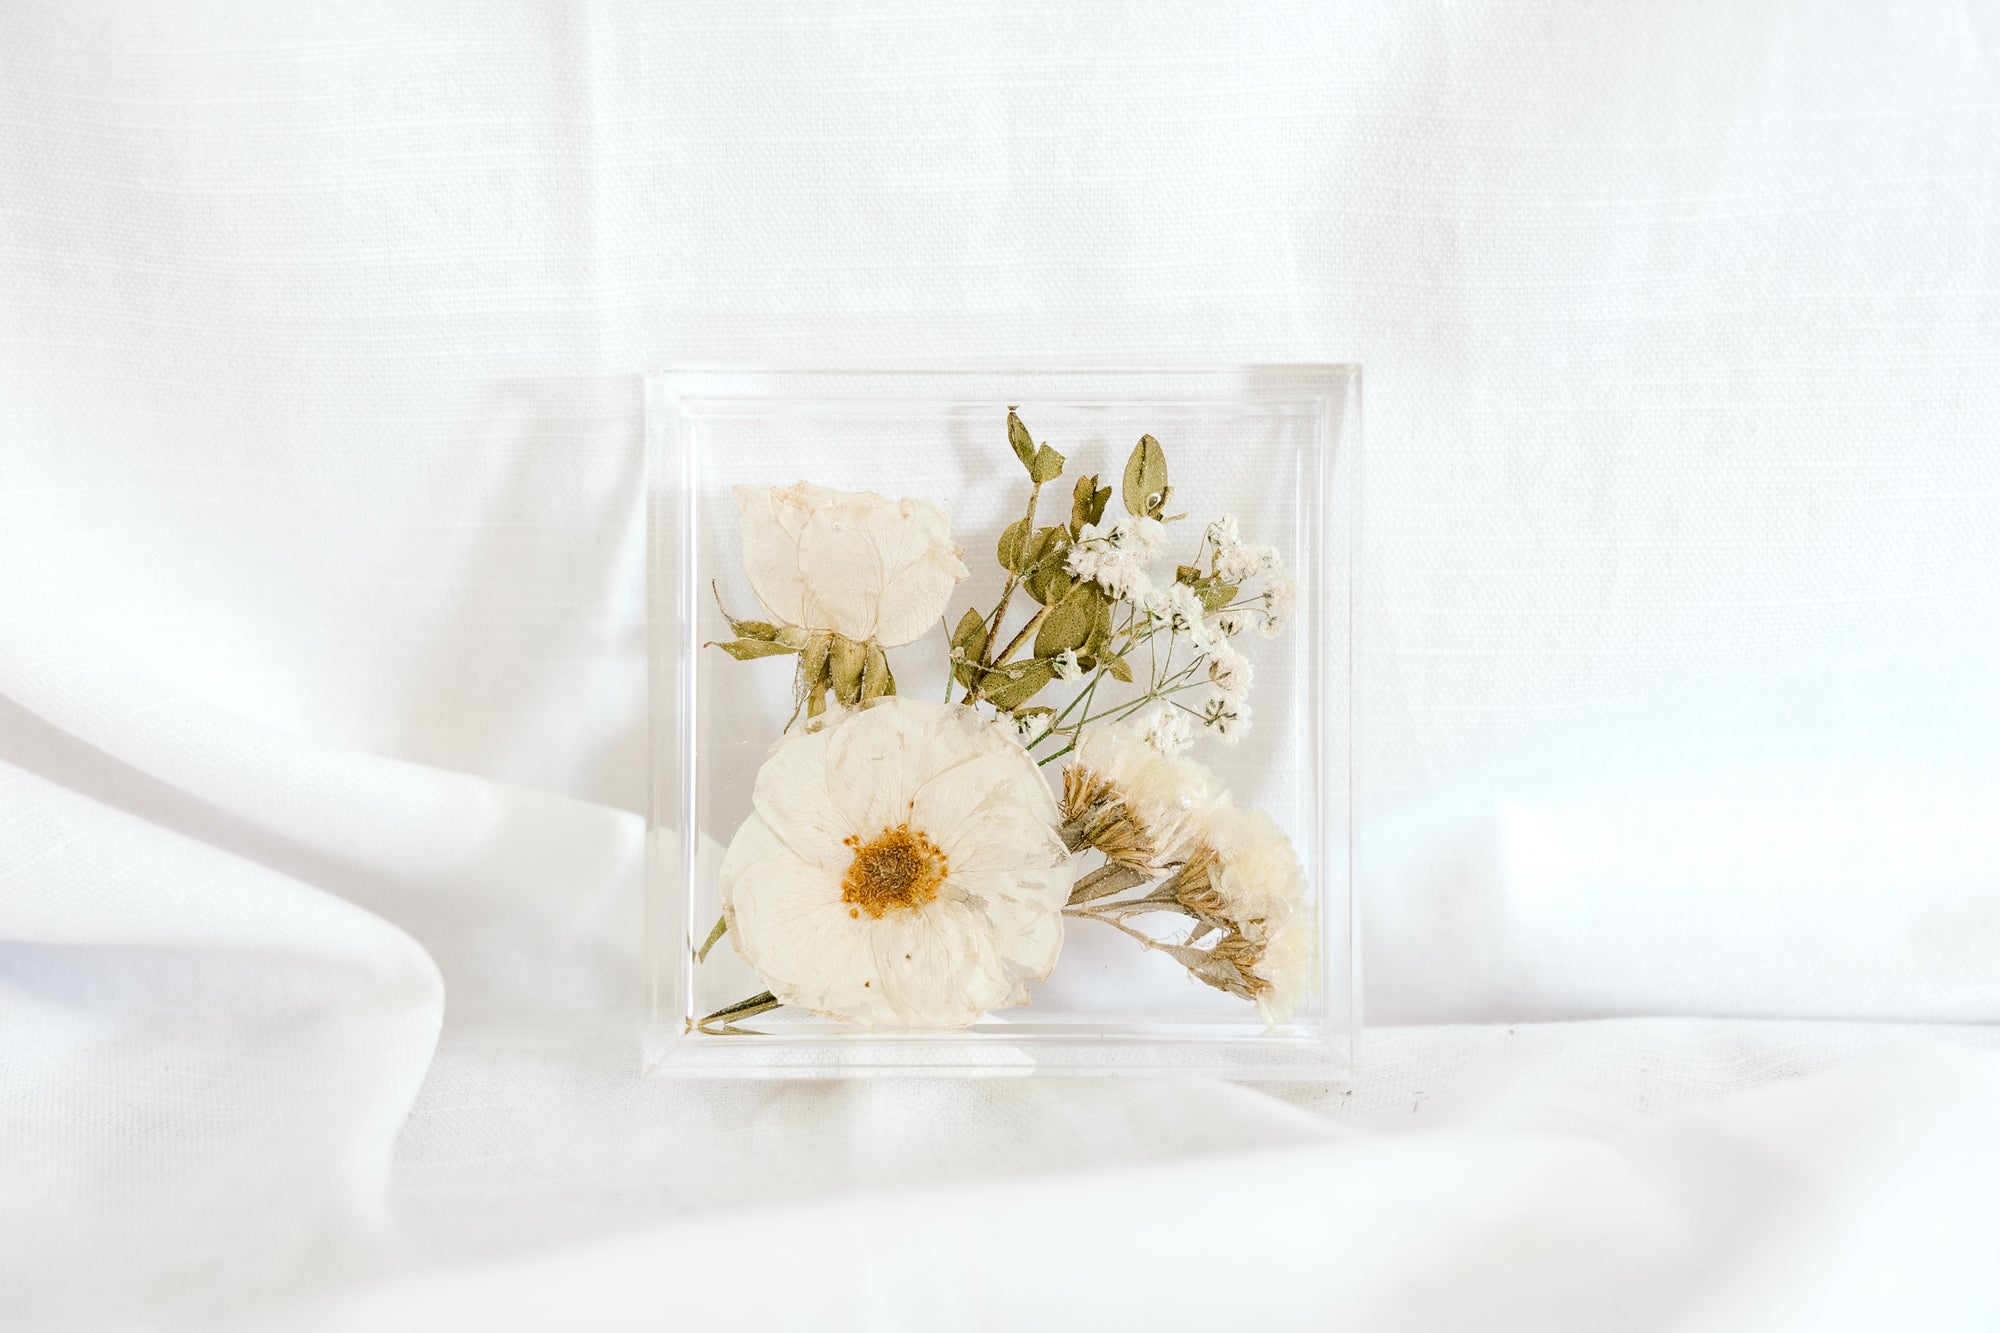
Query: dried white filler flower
{"x": 1030, "y": 727}
{"x": 1168, "y": 730}
{"x": 853, "y": 562}
{"x": 1245, "y": 880}
{"x": 904, "y": 865}
{"x": 1114, "y": 555}
{"x": 1285, "y": 969}
{"x": 1128, "y": 800}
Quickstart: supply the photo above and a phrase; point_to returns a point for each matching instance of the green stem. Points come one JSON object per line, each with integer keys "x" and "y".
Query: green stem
{"x": 1082, "y": 697}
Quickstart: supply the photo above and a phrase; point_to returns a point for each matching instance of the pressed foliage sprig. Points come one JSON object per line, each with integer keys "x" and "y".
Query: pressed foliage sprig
{"x": 1146, "y": 664}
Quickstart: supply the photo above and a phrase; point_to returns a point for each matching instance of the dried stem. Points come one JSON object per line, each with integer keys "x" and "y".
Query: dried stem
{"x": 1034, "y": 623}
{"x": 1013, "y": 581}
{"x": 721, "y": 926}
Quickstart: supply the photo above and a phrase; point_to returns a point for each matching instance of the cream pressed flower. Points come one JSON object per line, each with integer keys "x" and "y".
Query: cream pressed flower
{"x": 1138, "y": 806}
{"x": 903, "y": 866}
{"x": 1284, "y": 970}
{"x": 1255, "y": 871}
{"x": 1244, "y": 879}
{"x": 858, "y": 564}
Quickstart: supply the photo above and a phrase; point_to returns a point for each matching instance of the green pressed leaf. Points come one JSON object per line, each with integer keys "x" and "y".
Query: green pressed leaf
{"x": 1046, "y": 465}
{"x": 721, "y": 928}
{"x": 1146, "y": 478}
{"x": 1079, "y": 504}
{"x": 754, "y": 629}
{"x": 1187, "y": 574}
{"x": 1100, "y": 628}
{"x": 1053, "y": 583}
{"x": 745, "y": 649}
{"x": 1087, "y": 504}
{"x": 971, "y": 628}
{"x": 1043, "y": 571}
{"x": 750, "y": 1008}
{"x": 1012, "y": 539}
{"x": 1118, "y": 667}
{"x": 1024, "y": 444}
{"x": 1217, "y": 596}
{"x": 1015, "y": 684}
{"x": 1068, "y": 623}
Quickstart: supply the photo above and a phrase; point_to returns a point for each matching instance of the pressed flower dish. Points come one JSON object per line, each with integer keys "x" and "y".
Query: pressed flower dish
{"x": 940, "y": 786}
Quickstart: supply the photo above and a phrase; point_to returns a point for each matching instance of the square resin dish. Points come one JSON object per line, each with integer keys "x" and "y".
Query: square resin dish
{"x": 1090, "y": 584}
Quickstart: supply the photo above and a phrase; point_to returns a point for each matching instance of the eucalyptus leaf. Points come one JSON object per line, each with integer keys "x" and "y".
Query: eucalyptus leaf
{"x": 1218, "y": 595}
{"x": 1012, "y": 539}
{"x": 1068, "y": 622}
{"x": 1146, "y": 478}
{"x": 1016, "y": 683}
{"x": 1044, "y": 572}
{"x": 1051, "y": 583}
{"x": 1086, "y": 504}
{"x": 1024, "y": 444}
{"x": 1046, "y": 465}
{"x": 971, "y": 628}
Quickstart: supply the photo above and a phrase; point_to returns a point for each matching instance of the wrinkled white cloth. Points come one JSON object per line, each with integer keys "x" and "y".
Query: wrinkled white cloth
{"x": 322, "y": 644}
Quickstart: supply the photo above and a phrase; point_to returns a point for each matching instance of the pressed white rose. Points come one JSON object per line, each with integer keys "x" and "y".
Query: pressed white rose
{"x": 904, "y": 865}
{"x": 853, "y": 562}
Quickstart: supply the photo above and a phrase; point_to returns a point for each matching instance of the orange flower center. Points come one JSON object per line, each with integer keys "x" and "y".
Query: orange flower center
{"x": 898, "y": 868}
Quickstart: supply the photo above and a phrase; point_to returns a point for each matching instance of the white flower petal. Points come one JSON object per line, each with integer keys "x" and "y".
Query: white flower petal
{"x": 853, "y": 562}
{"x": 791, "y": 794}
{"x": 771, "y": 524}
{"x": 954, "y": 788}
{"x": 770, "y": 895}
{"x": 983, "y": 800}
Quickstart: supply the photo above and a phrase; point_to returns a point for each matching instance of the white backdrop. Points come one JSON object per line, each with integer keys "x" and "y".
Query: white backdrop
{"x": 321, "y": 724}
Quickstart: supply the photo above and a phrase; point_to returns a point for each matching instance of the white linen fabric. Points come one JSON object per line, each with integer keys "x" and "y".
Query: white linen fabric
{"x": 321, "y": 650}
